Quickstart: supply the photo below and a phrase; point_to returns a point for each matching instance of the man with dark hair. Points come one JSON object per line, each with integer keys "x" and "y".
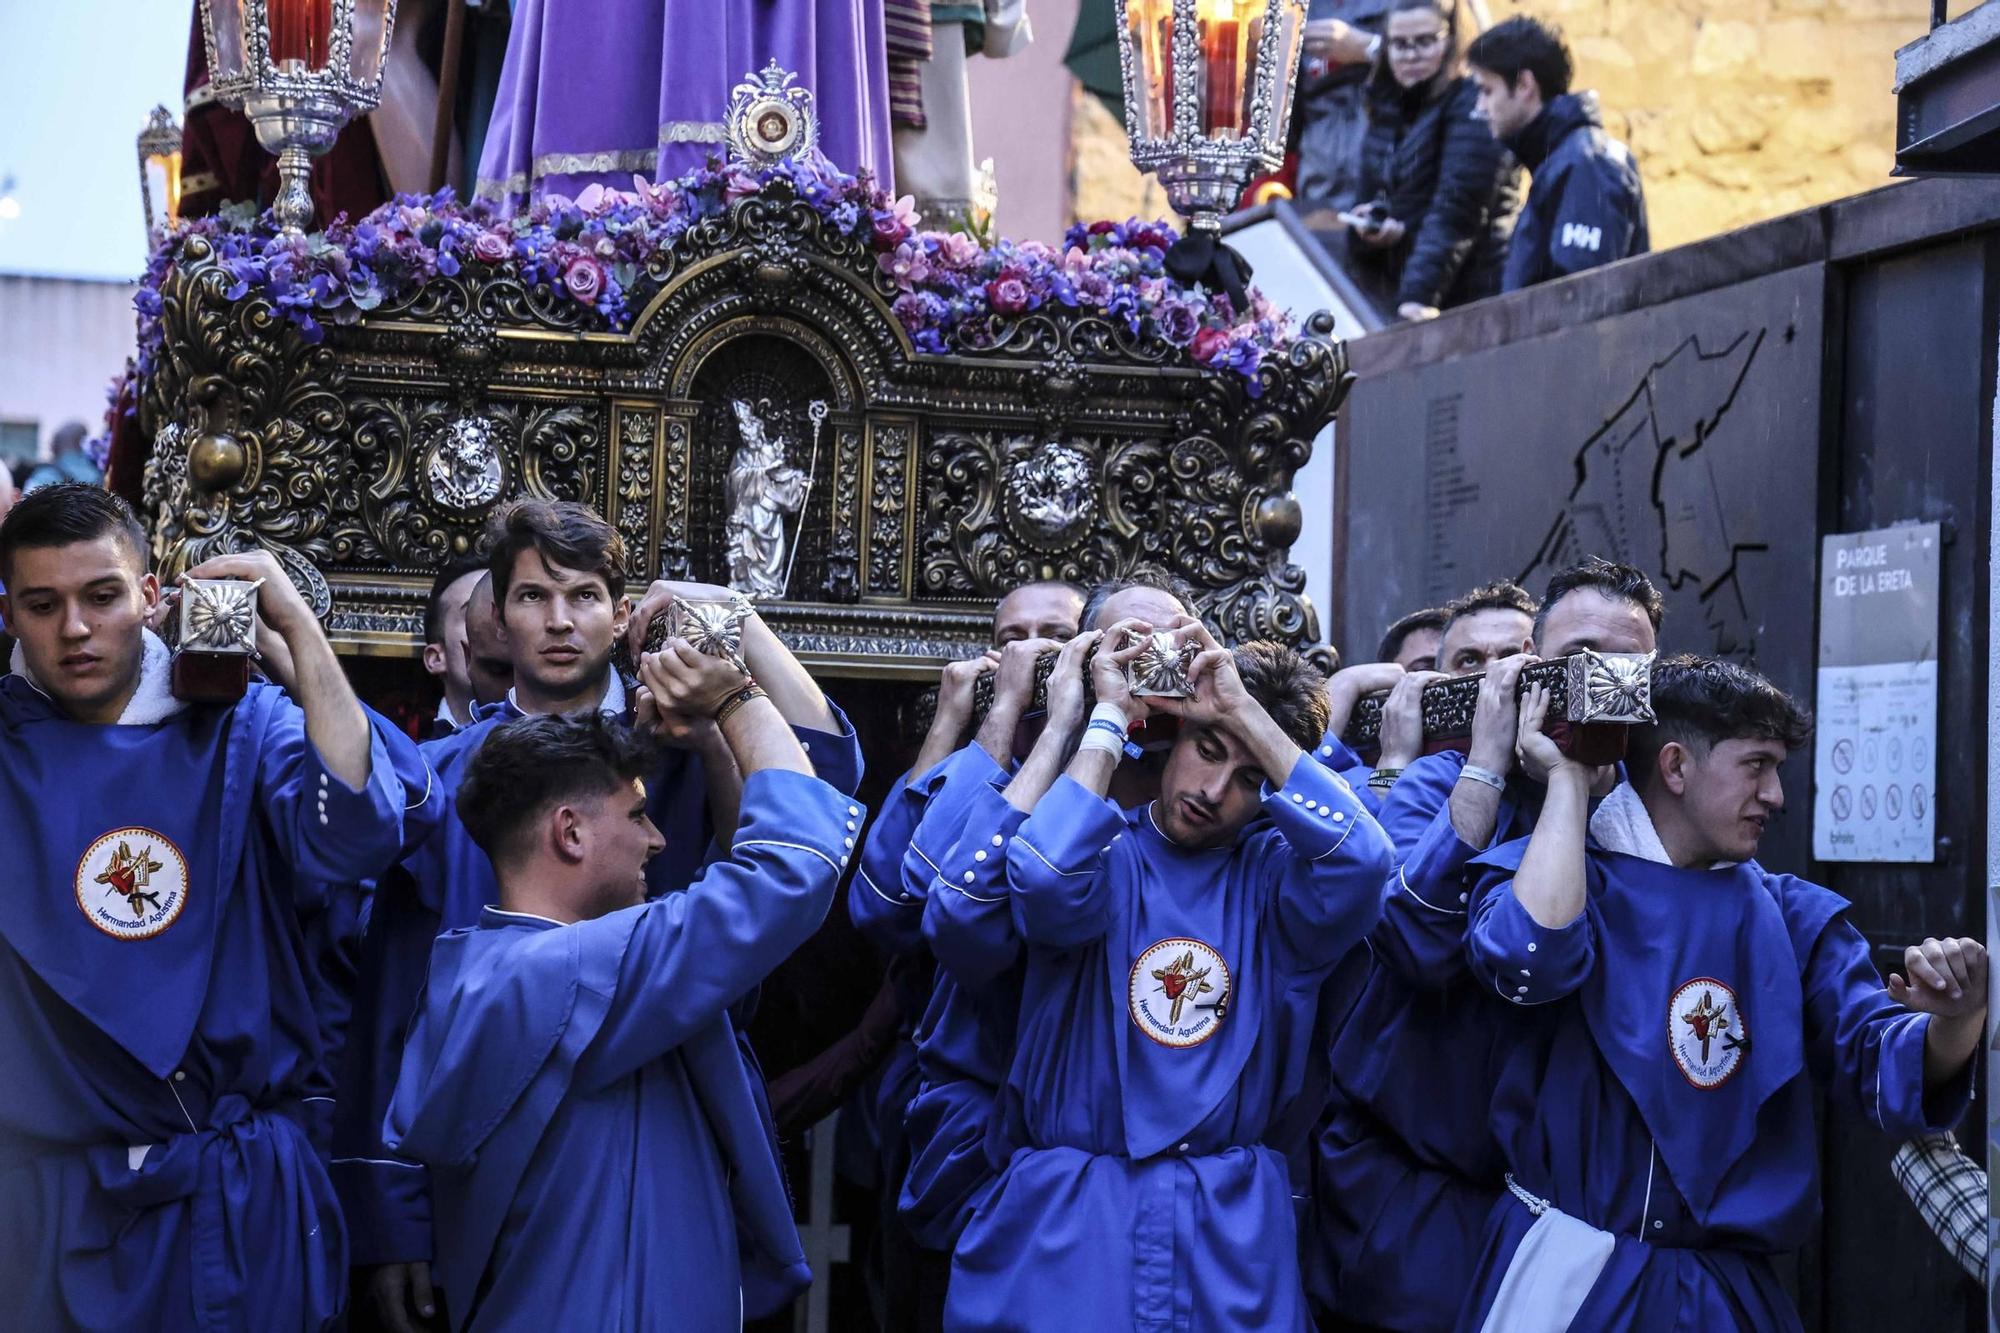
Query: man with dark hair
{"x": 556, "y": 571}
{"x": 1492, "y": 622}
{"x": 445, "y": 639}
{"x": 489, "y": 662}
{"x": 573, "y": 1080}
{"x": 1405, "y": 1159}
{"x": 1412, "y": 642}
{"x": 1657, "y": 1113}
{"x": 1205, "y": 921}
{"x": 1585, "y": 204}
{"x": 1170, "y": 589}
{"x": 157, "y": 1022}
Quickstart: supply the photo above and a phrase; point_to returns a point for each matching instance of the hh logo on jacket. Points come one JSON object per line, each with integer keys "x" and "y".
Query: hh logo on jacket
{"x": 1576, "y": 236}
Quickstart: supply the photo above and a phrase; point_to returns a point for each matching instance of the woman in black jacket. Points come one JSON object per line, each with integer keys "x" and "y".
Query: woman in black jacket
{"x": 1442, "y": 193}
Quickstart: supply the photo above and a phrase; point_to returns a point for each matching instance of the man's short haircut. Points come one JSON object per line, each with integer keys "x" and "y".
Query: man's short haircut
{"x": 568, "y": 535}
{"x": 1142, "y": 575}
{"x": 1291, "y": 689}
{"x": 1701, "y": 702}
{"x": 1431, "y": 617}
{"x": 1074, "y": 589}
{"x": 1524, "y": 43}
{"x": 527, "y": 767}
{"x": 434, "y": 605}
{"x": 64, "y": 514}
{"x": 1621, "y": 583}
{"x": 1500, "y": 595}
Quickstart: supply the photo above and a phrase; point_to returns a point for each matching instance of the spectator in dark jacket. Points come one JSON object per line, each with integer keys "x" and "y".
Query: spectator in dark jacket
{"x": 1442, "y": 193}
{"x": 1585, "y": 205}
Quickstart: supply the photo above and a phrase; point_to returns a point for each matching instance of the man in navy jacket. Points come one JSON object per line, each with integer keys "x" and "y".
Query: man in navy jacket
{"x": 1586, "y": 206}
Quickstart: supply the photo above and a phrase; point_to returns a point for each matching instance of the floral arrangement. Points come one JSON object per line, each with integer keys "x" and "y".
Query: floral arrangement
{"x": 951, "y": 292}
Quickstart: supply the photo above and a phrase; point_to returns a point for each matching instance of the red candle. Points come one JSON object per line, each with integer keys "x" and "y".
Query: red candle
{"x": 299, "y": 31}
{"x": 1221, "y": 40}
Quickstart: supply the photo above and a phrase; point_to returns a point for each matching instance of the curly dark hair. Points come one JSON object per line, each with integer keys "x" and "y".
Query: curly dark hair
{"x": 1700, "y": 702}
{"x": 1500, "y": 595}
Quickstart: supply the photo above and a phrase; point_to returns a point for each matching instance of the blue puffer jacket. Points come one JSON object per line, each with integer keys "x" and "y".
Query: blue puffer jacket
{"x": 1585, "y": 205}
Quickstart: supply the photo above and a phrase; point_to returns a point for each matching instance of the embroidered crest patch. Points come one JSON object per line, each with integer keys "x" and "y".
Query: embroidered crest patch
{"x": 132, "y": 883}
{"x": 1179, "y": 992}
{"x": 1706, "y": 1031}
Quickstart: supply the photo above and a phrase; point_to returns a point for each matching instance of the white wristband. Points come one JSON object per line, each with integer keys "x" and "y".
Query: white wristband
{"x": 1111, "y": 713}
{"x": 1484, "y": 775}
{"x": 1101, "y": 738}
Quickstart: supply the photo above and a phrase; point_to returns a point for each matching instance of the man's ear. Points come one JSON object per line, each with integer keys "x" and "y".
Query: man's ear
{"x": 434, "y": 658}
{"x": 567, "y": 833}
{"x": 1674, "y": 765}
{"x": 149, "y": 592}
{"x": 621, "y": 616}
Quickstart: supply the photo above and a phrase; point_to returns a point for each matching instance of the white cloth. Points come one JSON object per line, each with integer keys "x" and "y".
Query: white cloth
{"x": 153, "y": 701}
{"x": 1620, "y": 824}
{"x": 935, "y": 164}
{"x": 1551, "y": 1273}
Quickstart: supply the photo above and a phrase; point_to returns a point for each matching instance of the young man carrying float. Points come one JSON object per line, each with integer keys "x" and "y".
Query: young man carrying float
{"x": 1675, "y": 1004}
{"x": 1174, "y": 955}
{"x": 598, "y": 1152}
{"x": 156, "y": 998}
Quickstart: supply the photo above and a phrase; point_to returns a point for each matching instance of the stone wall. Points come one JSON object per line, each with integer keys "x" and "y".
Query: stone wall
{"x": 1738, "y": 111}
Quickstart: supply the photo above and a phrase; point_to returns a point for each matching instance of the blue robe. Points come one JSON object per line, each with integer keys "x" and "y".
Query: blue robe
{"x": 155, "y": 1171}
{"x": 1405, "y": 1167}
{"x": 442, "y": 885}
{"x": 598, "y": 1153}
{"x": 1166, "y": 1018}
{"x": 966, "y": 1040}
{"x": 1630, "y": 1098}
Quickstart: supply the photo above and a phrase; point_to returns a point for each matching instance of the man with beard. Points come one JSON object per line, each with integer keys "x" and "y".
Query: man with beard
{"x": 1173, "y": 960}
{"x": 1407, "y": 1169}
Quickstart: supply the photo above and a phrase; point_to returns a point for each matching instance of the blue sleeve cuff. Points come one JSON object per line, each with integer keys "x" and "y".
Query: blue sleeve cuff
{"x": 836, "y": 755}
{"x": 1070, "y": 828}
{"x": 1433, "y": 871}
{"x": 1904, "y": 1106}
{"x": 387, "y": 1206}
{"x": 1316, "y": 809}
{"x": 1524, "y": 962}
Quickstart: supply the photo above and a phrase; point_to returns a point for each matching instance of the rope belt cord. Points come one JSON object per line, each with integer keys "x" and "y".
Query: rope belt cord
{"x": 1534, "y": 1203}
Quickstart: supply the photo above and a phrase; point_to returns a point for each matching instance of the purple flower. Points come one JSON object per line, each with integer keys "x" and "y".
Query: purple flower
{"x": 1007, "y": 294}
{"x": 491, "y": 247}
{"x": 1179, "y": 323}
{"x": 584, "y": 280}
{"x": 907, "y": 264}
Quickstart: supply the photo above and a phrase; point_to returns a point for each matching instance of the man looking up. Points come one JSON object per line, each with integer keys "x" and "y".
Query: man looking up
{"x": 573, "y": 1079}
{"x": 1486, "y": 625}
{"x": 156, "y": 1008}
{"x": 1585, "y": 203}
{"x": 1173, "y": 960}
{"x": 1657, "y": 1112}
{"x": 557, "y": 576}
{"x": 445, "y": 639}
{"x": 1405, "y": 1157}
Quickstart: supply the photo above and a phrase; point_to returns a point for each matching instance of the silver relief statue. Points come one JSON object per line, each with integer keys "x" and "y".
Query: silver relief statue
{"x": 763, "y": 488}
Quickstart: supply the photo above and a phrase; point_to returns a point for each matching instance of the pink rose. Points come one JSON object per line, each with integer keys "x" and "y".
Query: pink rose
{"x": 491, "y": 247}
{"x": 584, "y": 280}
{"x": 1207, "y": 344}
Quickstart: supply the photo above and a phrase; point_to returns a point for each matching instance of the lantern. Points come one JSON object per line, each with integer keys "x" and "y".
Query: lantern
{"x": 1208, "y": 95}
{"x": 160, "y": 169}
{"x": 300, "y": 70}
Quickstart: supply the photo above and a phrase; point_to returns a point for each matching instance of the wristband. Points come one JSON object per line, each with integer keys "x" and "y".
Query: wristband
{"x": 1487, "y": 776}
{"x": 1112, "y": 715}
{"x": 735, "y": 701}
{"x": 1384, "y": 778}
{"x": 1102, "y": 738}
